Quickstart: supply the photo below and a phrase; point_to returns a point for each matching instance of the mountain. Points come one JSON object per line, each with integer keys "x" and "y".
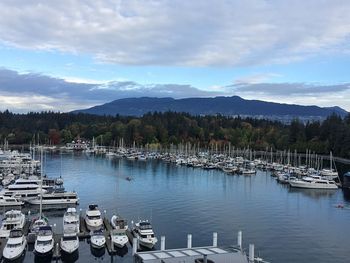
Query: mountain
{"x": 207, "y": 106}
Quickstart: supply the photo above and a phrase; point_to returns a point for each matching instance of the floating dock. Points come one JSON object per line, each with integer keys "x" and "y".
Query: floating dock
{"x": 191, "y": 254}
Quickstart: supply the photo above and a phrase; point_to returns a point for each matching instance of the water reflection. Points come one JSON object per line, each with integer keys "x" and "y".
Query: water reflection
{"x": 97, "y": 252}
{"x": 70, "y": 258}
{"x": 313, "y": 193}
{"x": 121, "y": 252}
{"x": 346, "y": 194}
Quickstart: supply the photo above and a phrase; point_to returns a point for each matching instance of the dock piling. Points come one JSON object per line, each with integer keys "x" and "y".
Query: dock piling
{"x": 205, "y": 258}
{"x": 134, "y": 246}
{"x": 189, "y": 241}
{"x": 239, "y": 239}
{"x": 251, "y": 252}
{"x": 162, "y": 243}
{"x": 215, "y": 239}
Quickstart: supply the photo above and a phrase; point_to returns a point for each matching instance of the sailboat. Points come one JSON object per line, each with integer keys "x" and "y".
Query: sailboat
{"x": 330, "y": 173}
{"x": 41, "y": 220}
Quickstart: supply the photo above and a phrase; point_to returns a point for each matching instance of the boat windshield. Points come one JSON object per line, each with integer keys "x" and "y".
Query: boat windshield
{"x": 13, "y": 245}
{"x": 93, "y": 217}
{"x": 145, "y": 226}
{"x": 9, "y": 226}
{"x": 45, "y": 232}
{"x": 15, "y": 233}
{"x": 43, "y": 242}
{"x": 118, "y": 234}
{"x": 69, "y": 238}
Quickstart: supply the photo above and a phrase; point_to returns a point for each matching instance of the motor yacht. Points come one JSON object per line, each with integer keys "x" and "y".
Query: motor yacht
{"x": 143, "y": 231}
{"x": 56, "y": 199}
{"x": 119, "y": 237}
{"x": 71, "y": 221}
{"x": 313, "y": 182}
{"x": 6, "y": 201}
{"x": 13, "y": 219}
{"x": 97, "y": 239}
{"x": 69, "y": 243}
{"x": 93, "y": 218}
{"x": 15, "y": 246}
{"x": 44, "y": 242}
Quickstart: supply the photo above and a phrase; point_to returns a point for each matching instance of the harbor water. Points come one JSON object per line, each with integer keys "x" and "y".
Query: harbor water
{"x": 286, "y": 225}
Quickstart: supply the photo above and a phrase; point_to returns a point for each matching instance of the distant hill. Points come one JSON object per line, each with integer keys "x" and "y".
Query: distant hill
{"x": 208, "y": 106}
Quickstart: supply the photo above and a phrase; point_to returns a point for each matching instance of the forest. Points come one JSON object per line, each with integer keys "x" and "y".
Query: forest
{"x": 171, "y": 128}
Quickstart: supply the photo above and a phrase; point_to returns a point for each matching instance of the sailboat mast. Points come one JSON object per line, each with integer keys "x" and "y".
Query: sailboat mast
{"x": 41, "y": 182}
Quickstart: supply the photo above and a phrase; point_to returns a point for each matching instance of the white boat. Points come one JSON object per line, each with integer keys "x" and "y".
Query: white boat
{"x": 13, "y": 219}
{"x": 93, "y": 218}
{"x": 119, "y": 237}
{"x": 9, "y": 201}
{"x": 97, "y": 239}
{"x": 329, "y": 173}
{"x": 119, "y": 223}
{"x": 247, "y": 171}
{"x": 15, "y": 246}
{"x": 23, "y": 189}
{"x": 44, "y": 242}
{"x": 118, "y": 234}
{"x": 69, "y": 243}
{"x": 40, "y": 222}
{"x": 313, "y": 182}
{"x": 71, "y": 221}
{"x": 144, "y": 233}
{"x": 56, "y": 199}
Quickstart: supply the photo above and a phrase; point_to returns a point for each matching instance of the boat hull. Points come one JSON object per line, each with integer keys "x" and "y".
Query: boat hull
{"x": 297, "y": 184}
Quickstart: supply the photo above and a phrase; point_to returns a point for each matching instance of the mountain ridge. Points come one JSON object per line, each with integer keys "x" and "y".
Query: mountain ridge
{"x": 230, "y": 106}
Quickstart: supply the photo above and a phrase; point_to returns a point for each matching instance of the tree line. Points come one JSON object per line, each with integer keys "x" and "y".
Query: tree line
{"x": 171, "y": 128}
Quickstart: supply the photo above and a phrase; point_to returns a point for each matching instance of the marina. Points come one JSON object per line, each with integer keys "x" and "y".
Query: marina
{"x": 122, "y": 184}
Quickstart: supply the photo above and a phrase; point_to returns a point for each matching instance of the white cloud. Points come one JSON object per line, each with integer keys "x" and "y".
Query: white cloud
{"x": 176, "y": 32}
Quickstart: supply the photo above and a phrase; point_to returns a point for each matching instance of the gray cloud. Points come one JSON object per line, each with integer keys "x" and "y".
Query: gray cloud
{"x": 288, "y": 89}
{"x": 176, "y": 32}
{"x": 32, "y": 91}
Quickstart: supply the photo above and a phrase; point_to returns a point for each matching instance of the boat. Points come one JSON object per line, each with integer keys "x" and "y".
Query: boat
{"x": 97, "y": 239}
{"x": 71, "y": 222}
{"x": 37, "y": 223}
{"x": 56, "y": 199}
{"x": 15, "y": 246}
{"x": 59, "y": 181}
{"x": 6, "y": 201}
{"x": 247, "y": 171}
{"x": 313, "y": 182}
{"x": 69, "y": 243}
{"x": 330, "y": 173}
{"x": 23, "y": 190}
{"x": 119, "y": 223}
{"x": 143, "y": 231}
{"x": 119, "y": 237}
{"x": 93, "y": 218}
{"x": 14, "y": 219}
{"x": 44, "y": 242}
{"x": 118, "y": 234}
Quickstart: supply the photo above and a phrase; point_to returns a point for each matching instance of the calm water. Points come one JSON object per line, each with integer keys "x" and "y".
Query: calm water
{"x": 285, "y": 225}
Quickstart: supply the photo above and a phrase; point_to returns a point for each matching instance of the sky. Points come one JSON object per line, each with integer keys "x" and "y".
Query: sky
{"x": 63, "y": 55}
